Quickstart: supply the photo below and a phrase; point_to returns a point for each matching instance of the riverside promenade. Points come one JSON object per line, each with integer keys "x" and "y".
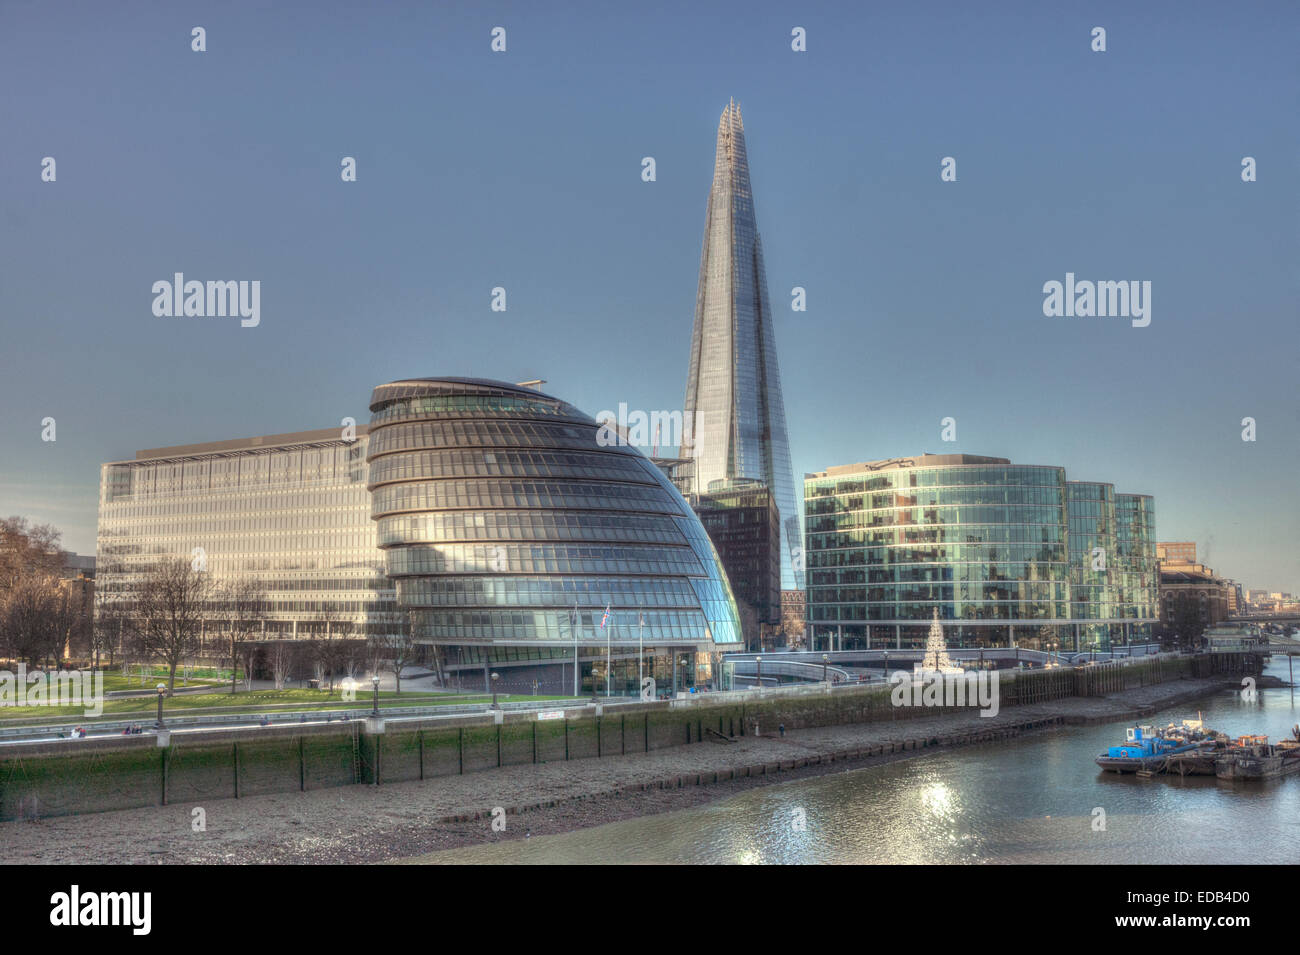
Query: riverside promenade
{"x": 400, "y": 820}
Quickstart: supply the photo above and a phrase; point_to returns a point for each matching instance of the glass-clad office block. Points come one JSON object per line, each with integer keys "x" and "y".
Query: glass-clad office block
{"x": 1006, "y": 554}
{"x": 506, "y": 523}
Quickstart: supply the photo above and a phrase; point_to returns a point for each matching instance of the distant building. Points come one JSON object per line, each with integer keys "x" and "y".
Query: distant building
{"x": 1183, "y": 551}
{"x": 744, "y": 524}
{"x": 794, "y": 615}
{"x": 1192, "y": 598}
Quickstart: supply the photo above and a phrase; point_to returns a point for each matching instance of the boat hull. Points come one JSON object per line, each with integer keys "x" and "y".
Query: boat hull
{"x": 1255, "y": 767}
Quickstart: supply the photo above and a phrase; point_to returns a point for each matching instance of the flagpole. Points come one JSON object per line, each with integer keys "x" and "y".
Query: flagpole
{"x": 607, "y": 660}
{"x": 573, "y": 625}
{"x": 640, "y": 652}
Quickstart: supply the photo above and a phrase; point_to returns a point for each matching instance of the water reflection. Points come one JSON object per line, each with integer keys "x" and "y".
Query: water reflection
{"x": 1033, "y": 802}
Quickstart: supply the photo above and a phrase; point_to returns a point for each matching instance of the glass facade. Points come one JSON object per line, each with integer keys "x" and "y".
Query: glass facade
{"x": 1093, "y": 554}
{"x": 1002, "y": 551}
{"x": 733, "y": 385}
{"x": 744, "y": 524}
{"x": 504, "y": 522}
{"x": 1138, "y": 583}
{"x": 290, "y": 511}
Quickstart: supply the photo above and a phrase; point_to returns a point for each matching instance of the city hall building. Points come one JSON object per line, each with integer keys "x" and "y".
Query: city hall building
{"x": 518, "y": 530}
{"x": 489, "y": 517}
{"x": 1009, "y": 555}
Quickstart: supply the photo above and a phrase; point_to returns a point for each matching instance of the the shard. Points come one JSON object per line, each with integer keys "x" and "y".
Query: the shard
{"x": 733, "y": 387}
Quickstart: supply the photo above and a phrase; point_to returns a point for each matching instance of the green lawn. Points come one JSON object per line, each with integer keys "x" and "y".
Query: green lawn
{"x": 244, "y": 702}
{"x": 114, "y": 681}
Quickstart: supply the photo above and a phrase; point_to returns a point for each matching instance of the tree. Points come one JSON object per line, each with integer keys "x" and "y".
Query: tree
{"x": 105, "y": 629}
{"x": 282, "y": 654}
{"x": 28, "y": 550}
{"x": 70, "y": 624}
{"x": 30, "y": 563}
{"x": 398, "y": 650}
{"x": 243, "y": 607}
{"x": 27, "y": 628}
{"x": 168, "y": 613}
{"x": 331, "y": 650}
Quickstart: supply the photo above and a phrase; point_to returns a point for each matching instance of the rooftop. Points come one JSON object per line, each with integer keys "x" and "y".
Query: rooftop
{"x": 917, "y": 461}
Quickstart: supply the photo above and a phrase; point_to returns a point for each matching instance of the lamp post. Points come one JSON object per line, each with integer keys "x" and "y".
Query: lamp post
{"x": 495, "y": 677}
{"x": 886, "y": 664}
{"x": 825, "y": 663}
{"x": 758, "y": 663}
{"x": 162, "y": 692}
{"x": 374, "y": 682}
{"x": 686, "y": 662}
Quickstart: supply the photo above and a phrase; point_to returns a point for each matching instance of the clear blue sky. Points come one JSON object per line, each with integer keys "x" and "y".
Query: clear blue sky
{"x": 522, "y": 170}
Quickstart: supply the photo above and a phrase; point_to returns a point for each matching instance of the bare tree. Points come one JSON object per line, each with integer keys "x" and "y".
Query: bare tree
{"x": 331, "y": 648}
{"x": 105, "y": 629}
{"x": 26, "y": 550}
{"x": 69, "y": 622}
{"x": 243, "y": 607}
{"x": 28, "y": 630}
{"x": 399, "y": 650}
{"x": 30, "y": 562}
{"x": 282, "y": 654}
{"x": 169, "y": 610}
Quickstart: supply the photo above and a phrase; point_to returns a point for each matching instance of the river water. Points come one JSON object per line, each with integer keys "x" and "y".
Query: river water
{"x": 1038, "y": 800}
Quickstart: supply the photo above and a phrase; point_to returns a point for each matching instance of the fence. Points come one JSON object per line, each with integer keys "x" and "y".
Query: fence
{"x": 93, "y": 775}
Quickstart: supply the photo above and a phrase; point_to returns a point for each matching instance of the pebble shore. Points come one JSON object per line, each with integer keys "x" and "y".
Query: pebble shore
{"x": 369, "y": 824}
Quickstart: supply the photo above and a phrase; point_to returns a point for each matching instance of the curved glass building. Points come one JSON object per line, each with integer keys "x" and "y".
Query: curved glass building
{"x": 516, "y": 529}
{"x": 1004, "y": 552}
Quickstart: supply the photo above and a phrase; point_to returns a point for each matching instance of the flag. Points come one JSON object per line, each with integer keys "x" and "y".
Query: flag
{"x": 605, "y": 619}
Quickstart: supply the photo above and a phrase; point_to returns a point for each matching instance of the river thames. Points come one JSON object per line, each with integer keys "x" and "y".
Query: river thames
{"x": 1040, "y": 799}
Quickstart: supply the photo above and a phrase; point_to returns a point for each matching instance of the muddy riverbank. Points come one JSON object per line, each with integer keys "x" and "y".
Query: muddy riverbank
{"x": 390, "y": 822}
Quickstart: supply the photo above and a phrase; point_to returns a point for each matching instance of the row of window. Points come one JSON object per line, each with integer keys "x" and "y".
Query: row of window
{"x": 965, "y": 515}
{"x": 428, "y": 435}
{"x": 964, "y": 476}
{"x": 587, "y": 592}
{"x": 418, "y": 465}
{"x": 527, "y": 526}
{"x": 442, "y": 495}
{"x": 541, "y": 559}
{"x": 938, "y": 497}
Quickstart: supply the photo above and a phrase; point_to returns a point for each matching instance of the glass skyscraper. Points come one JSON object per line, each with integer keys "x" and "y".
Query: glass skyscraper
{"x": 733, "y": 386}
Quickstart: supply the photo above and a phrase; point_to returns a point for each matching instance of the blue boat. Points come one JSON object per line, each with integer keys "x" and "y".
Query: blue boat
{"x": 1145, "y": 749}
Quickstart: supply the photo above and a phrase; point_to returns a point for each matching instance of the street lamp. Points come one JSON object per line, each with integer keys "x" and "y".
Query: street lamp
{"x": 162, "y": 691}
{"x": 374, "y": 682}
{"x": 758, "y": 663}
{"x": 825, "y": 662}
{"x": 495, "y": 677}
